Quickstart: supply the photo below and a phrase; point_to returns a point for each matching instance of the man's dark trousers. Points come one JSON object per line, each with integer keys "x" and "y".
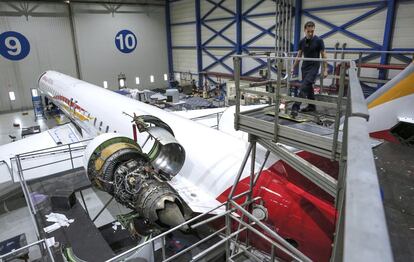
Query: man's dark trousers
{"x": 306, "y": 89}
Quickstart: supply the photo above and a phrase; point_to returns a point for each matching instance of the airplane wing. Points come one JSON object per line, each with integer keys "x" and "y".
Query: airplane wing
{"x": 41, "y": 154}
{"x": 209, "y": 116}
{"x": 47, "y": 153}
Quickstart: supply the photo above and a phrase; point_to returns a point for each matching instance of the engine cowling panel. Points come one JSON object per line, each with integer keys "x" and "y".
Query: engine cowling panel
{"x": 116, "y": 164}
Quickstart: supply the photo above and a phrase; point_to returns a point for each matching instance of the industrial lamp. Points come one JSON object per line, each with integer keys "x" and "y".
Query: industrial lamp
{"x": 121, "y": 81}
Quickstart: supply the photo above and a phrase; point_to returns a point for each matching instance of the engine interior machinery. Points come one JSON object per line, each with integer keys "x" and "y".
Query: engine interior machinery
{"x": 117, "y": 165}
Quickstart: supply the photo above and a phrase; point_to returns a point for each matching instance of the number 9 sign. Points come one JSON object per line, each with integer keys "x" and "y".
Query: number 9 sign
{"x": 13, "y": 45}
{"x": 125, "y": 41}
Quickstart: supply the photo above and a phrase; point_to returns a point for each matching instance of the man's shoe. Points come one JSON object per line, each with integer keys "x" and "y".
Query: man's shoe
{"x": 294, "y": 113}
{"x": 308, "y": 109}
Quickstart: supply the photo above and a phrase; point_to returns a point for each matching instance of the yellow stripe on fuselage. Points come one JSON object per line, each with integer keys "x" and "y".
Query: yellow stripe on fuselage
{"x": 403, "y": 88}
{"x": 77, "y": 114}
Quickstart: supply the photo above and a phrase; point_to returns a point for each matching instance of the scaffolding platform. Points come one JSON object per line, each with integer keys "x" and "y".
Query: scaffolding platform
{"x": 336, "y": 131}
{"x": 305, "y": 135}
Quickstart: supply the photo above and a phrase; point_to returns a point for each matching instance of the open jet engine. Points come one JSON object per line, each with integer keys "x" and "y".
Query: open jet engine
{"x": 116, "y": 164}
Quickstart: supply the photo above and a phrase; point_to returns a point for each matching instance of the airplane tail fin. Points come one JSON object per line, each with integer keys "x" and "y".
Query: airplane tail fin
{"x": 391, "y": 104}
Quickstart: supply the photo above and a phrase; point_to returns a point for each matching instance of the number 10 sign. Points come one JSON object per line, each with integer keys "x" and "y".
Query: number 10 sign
{"x": 125, "y": 41}
{"x": 13, "y": 45}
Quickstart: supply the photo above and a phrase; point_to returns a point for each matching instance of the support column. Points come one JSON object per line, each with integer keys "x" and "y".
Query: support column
{"x": 239, "y": 20}
{"x": 386, "y": 43}
{"x": 169, "y": 44}
{"x": 199, "y": 46}
{"x": 74, "y": 42}
{"x": 298, "y": 21}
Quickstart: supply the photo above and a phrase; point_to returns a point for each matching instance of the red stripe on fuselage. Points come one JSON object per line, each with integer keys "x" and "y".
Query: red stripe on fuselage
{"x": 386, "y": 135}
{"x": 297, "y": 209}
{"x": 69, "y": 102}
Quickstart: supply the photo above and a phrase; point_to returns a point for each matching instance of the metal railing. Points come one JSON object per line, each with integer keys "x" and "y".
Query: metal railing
{"x": 357, "y": 178}
{"x": 356, "y": 192}
{"x": 17, "y": 166}
{"x": 345, "y": 54}
{"x": 19, "y": 160}
{"x": 9, "y": 170}
{"x": 208, "y": 116}
{"x": 66, "y": 149}
{"x": 193, "y": 223}
{"x": 327, "y": 146}
{"x": 365, "y": 231}
{"x": 42, "y": 243}
{"x": 230, "y": 213}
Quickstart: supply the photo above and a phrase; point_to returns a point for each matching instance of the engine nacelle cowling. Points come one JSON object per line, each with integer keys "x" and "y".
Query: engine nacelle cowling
{"x": 117, "y": 165}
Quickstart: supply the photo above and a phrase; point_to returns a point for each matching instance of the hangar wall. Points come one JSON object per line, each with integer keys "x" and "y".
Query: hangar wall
{"x": 362, "y": 25}
{"x": 47, "y": 28}
{"x": 48, "y": 33}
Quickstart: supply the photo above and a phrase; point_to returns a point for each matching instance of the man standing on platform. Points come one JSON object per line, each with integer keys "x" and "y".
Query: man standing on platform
{"x": 311, "y": 46}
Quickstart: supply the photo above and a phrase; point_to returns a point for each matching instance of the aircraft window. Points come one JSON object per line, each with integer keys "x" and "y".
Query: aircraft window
{"x": 94, "y": 122}
{"x": 107, "y": 129}
{"x": 100, "y": 124}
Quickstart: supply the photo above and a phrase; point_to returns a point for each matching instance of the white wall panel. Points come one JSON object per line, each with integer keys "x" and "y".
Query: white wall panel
{"x": 100, "y": 59}
{"x": 48, "y": 31}
{"x": 321, "y": 3}
{"x": 183, "y": 35}
{"x": 229, "y": 4}
{"x": 265, "y": 7}
{"x": 205, "y": 7}
{"x": 218, "y": 40}
{"x": 182, "y": 11}
{"x": 50, "y": 49}
{"x": 249, "y": 31}
{"x": 185, "y": 60}
{"x": 371, "y": 28}
{"x": 404, "y": 22}
{"x": 207, "y": 60}
{"x": 249, "y": 64}
{"x": 393, "y": 73}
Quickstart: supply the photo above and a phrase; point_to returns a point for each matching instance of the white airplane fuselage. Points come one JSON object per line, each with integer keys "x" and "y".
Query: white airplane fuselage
{"x": 297, "y": 209}
{"x": 213, "y": 157}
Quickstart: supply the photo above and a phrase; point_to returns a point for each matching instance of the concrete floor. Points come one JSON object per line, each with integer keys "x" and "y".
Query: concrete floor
{"x": 395, "y": 169}
{"x": 19, "y": 222}
{"x": 24, "y": 120}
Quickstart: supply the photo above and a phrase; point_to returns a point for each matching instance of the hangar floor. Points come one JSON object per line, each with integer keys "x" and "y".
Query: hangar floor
{"x": 395, "y": 167}
{"x": 24, "y": 119}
